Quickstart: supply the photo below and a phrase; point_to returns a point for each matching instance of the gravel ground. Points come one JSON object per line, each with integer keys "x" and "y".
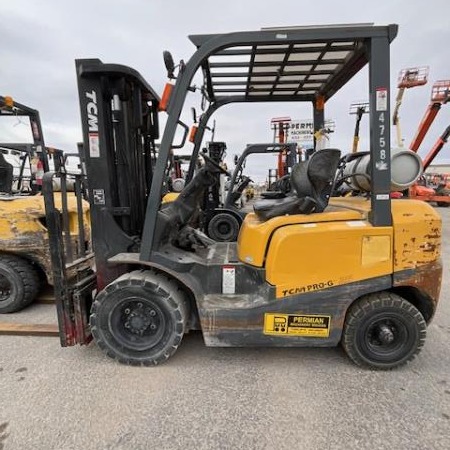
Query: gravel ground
{"x": 210, "y": 398}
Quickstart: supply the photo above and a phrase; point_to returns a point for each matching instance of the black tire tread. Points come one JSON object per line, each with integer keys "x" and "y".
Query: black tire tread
{"x": 30, "y": 281}
{"x": 369, "y": 303}
{"x": 163, "y": 283}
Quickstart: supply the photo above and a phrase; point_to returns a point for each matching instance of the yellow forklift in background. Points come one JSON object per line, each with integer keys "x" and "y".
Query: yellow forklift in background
{"x": 25, "y": 264}
{"x": 307, "y": 269}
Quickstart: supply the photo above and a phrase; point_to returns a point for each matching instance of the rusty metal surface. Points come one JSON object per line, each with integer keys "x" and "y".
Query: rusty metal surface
{"x": 224, "y": 325}
{"x": 426, "y": 278}
{"x": 417, "y": 234}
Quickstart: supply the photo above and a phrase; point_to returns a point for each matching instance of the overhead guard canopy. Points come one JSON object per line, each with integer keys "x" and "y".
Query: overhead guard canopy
{"x": 288, "y": 64}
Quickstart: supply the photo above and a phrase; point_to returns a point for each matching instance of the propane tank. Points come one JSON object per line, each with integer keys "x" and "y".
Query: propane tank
{"x": 406, "y": 168}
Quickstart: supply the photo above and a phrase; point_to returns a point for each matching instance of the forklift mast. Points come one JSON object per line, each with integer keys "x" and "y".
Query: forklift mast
{"x": 281, "y": 125}
{"x": 216, "y": 151}
{"x": 119, "y": 115}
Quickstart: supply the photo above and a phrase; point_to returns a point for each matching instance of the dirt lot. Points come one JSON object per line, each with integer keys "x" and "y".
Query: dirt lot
{"x": 209, "y": 398}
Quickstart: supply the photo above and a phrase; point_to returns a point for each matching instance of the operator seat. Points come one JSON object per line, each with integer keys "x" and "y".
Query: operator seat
{"x": 312, "y": 181}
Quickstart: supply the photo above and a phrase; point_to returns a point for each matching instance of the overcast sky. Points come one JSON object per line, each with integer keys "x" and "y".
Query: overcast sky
{"x": 40, "y": 40}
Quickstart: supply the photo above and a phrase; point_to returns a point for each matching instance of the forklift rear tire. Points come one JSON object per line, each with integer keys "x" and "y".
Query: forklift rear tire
{"x": 19, "y": 283}
{"x": 443, "y": 204}
{"x": 223, "y": 227}
{"x": 140, "y": 318}
{"x": 383, "y": 331}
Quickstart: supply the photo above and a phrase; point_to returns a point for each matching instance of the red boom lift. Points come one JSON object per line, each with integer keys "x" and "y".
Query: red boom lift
{"x": 440, "y": 95}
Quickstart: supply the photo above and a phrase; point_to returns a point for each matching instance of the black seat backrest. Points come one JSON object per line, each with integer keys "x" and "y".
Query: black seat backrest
{"x": 314, "y": 178}
{"x": 312, "y": 182}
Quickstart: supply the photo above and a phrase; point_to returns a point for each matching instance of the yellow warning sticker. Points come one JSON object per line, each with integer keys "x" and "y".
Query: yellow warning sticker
{"x": 297, "y": 325}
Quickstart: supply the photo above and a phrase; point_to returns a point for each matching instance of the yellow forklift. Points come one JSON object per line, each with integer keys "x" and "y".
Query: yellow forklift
{"x": 25, "y": 264}
{"x": 307, "y": 269}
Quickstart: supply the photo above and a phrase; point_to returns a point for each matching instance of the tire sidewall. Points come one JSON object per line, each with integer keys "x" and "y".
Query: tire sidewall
{"x": 18, "y": 289}
{"x": 407, "y": 349}
{"x": 104, "y": 308}
{"x": 383, "y": 307}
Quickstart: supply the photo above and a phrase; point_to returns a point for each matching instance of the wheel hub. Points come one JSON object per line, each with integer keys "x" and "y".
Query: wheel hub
{"x": 224, "y": 228}
{"x": 386, "y": 334}
{"x": 139, "y": 319}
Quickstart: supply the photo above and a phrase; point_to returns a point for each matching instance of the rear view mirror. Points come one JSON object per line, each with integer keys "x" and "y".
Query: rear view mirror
{"x": 170, "y": 65}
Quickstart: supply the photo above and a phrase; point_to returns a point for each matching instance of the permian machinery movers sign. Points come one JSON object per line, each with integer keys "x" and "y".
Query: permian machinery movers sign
{"x": 302, "y": 131}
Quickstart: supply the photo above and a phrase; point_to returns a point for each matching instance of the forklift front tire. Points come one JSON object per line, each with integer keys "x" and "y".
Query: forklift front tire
{"x": 383, "y": 331}
{"x": 140, "y": 318}
{"x": 19, "y": 283}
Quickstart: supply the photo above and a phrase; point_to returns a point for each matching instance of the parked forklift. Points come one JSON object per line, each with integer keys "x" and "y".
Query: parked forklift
{"x": 25, "y": 264}
{"x": 305, "y": 271}
{"x": 224, "y": 221}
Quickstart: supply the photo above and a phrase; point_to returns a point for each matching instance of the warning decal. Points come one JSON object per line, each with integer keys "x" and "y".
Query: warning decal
{"x": 94, "y": 146}
{"x": 297, "y": 325}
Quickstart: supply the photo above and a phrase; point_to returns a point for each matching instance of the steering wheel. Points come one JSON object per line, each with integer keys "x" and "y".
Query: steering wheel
{"x": 215, "y": 164}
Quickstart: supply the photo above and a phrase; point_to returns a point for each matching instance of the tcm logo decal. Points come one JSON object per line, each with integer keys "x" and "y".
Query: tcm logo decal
{"x": 92, "y": 112}
{"x": 307, "y": 288}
